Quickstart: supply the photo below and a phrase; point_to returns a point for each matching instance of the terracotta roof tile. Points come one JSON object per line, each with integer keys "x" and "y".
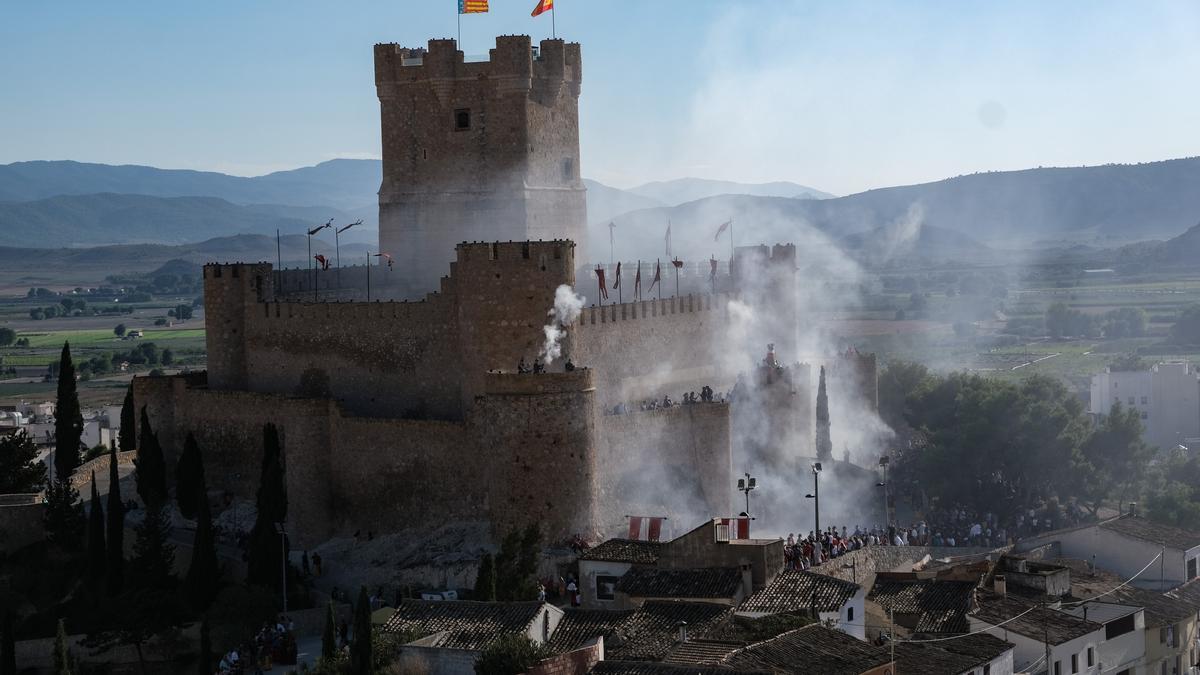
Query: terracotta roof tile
{"x": 649, "y": 582}
{"x": 625, "y": 550}
{"x": 941, "y": 605}
{"x": 812, "y": 649}
{"x": 794, "y": 590}
{"x": 1148, "y": 530}
{"x": 467, "y": 625}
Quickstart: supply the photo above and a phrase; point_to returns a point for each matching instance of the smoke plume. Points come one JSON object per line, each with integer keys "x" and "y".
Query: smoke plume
{"x": 567, "y": 306}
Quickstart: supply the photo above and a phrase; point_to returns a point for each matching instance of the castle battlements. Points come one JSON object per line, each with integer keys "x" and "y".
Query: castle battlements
{"x": 648, "y": 309}
{"x": 514, "y": 62}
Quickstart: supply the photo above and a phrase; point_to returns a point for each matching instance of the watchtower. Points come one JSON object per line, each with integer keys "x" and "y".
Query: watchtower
{"x": 477, "y": 151}
{"x": 229, "y": 292}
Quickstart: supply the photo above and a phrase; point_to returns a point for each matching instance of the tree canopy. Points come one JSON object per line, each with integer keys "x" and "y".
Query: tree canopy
{"x": 20, "y": 469}
{"x": 151, "y": 475}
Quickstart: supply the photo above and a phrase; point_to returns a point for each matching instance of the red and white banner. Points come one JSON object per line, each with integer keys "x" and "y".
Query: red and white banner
{"x": 739, "y": 528}
{"x": 646, "y": 528}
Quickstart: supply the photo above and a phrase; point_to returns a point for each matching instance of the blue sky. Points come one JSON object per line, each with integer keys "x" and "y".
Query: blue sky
{"x": 841, "y": 96}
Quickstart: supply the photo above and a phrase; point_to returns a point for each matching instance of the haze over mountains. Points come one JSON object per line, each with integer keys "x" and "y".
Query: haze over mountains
{"x": 63, "y": 203}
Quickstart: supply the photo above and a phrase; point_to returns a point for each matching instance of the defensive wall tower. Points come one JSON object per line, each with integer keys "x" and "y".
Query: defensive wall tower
{"x": 539, "y": 435}
{"x": 766, "y": 276}
{"x": 477, "y": 151}
{"x": 230, "y": 291}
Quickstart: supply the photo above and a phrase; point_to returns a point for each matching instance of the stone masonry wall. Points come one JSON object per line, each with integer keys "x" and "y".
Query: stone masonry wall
{"x": 674, "y": 462}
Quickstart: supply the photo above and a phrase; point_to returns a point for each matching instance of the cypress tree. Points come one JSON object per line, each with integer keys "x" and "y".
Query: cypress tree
{"x": 151, "y": 472}
{"x": 115, "y": 567}
{"x": 62, "y": 656}
{"x": 824, "y": 442}
{"x": 203, "y": 574}
{"x": 68, "y": 418}
{"x": 204, "y": 663}
{"x": 360, "y": 648}
{"x": 63, "y": 515}
{"x": 328, "y": 636}
{"x": 153, "y": 555}
{"x": 8, "y": 647}
{"x": 127, "y": 436}
{"x": 189, "y": 479}
{"x": 97, "y": 557}
{"x": 263, "y": 567}
{"x": 485, "y": 580}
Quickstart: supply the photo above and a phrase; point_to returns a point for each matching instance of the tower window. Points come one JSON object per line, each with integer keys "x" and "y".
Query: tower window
{"x": 568, "y": 166}
{"x": 462, "y": 119}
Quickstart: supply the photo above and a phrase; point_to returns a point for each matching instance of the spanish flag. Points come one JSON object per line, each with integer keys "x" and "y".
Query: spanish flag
{"x": 472, "y": 6}
{"x": 543, "y": 6}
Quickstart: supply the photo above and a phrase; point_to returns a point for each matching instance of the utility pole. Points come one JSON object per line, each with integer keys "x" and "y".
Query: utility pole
{"x": 337, "y": 246}
{"x": 1046, "y": 634}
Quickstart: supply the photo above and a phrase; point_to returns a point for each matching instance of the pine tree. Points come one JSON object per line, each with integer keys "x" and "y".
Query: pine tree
{"x": 265, "y": 549}
{"x": 153, "y": 555}
{"x": 97, "y": 557}
{"x": 115, "y": 567}
{"x": 20, "y": 469}
{"x": 151, "y": 472}
{"x": 485, "y": 580}
{"x": 203, "y": 574}
{"x": 8, "y": 646}
{"x": 204, "y": 663}
{"x": 360, "y": 648}
{"x": 189, "y": 479}
{"x": 127, "y": 436}
{"x": 68, "y": 418}
{"x": 63, "y": 515}
{"x": 328, "y": 636}
{"x": 62, "y": 656}
{"x": 824, "y": 442}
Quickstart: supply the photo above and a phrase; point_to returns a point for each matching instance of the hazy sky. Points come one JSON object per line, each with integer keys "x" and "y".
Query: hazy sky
{"x": 841, "y": 96}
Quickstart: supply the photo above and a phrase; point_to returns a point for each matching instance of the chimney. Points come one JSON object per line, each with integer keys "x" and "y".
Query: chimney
{"x": 1001, "y": 587}
{"x": 682, "y": 631}
{"x": 747, "y": 579}
{"x": 1133, "y": 508}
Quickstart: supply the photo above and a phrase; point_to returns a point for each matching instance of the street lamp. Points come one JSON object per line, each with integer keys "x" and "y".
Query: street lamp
{"x": 312, "y": 267}
{"x": 746, "y": 485}
{"x": 337, "y": 247}
{"x": 883, "y": 464}
{"x": 816, "y": 497}
{"x": 281, "y": 529}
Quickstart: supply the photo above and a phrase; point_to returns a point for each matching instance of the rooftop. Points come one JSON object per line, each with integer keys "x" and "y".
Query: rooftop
{"x": 1161, "y": 609}
{"x": 712, "y": 582}
{"x": 1035, "y": 622}
{"x": 794, "y": 590}
{"x": 1146, "y": 530}
{"x": 625, "y": 551}
{"x": 1100, "y": 612}
{"x": 949, "y": 657}
{"x": 467, "y": 625}
{"x": 942, "y": 605}
{"x": 816, "y": 648}
{"x": 652, "y": 631}
{"x": 578, "y": 626}
{"x": 702, "y": 652}
{"x": 652, "y": 668}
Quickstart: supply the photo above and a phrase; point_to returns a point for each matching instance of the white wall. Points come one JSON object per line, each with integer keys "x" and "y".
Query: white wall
{"x": 1125, "y": 556}
{"x": 588, "y": 571}
{"x": 1124, "y": 651}
{"x": 1168, "y": 393}
{"x": 1029, "y": 650}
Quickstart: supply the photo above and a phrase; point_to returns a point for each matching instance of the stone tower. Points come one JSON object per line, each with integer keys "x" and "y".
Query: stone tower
{"x": 477, "y": 151}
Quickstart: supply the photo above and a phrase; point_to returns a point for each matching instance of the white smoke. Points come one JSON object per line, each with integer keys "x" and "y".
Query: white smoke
{"x": 567, "y": 307}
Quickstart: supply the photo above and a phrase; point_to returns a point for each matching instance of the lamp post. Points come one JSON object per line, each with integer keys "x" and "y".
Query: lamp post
{"x": 311, "y": 266}
{"x": 746, "y": 485}
{"x": 816, "y": 497}
{"x": 281, "y": 529}
{"x": 883, "y": 464}
{"x": 337, "y": 247}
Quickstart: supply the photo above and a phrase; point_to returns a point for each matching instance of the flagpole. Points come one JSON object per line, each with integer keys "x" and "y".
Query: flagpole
{"x": 676, "y": 279}
{"x": 278, "y": 263}
{"x": 658, "y": 276}
{"x": 731, "y": 240}
{"x": 553, "y": 27}
{"x": 459, "y": 43}
{"x": 368, "y": 276}
{"x": 337, "y": 247}
{"x": 310, "y": 268}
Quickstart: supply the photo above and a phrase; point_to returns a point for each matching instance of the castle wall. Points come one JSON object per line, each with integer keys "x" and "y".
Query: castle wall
{"x": 654, "y": 347}
{"x": 673, "y": 461}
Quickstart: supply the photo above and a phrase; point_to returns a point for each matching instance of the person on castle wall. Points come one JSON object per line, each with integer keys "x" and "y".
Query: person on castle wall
{"x": 538, "y": 367}
{"x": 569, "y": 367}
{"x": 522, "y": 368}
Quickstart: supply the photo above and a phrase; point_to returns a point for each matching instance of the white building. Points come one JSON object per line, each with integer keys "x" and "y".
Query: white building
{"x": 1124, "y": 646}
{"x": 1074, "y": 643}
{"x": 1167, "y": 396}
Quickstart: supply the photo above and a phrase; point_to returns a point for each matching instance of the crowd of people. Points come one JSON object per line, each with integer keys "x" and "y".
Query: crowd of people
{"x": 274, "y": 644}
{"x": 706, "y": 395}
{"x": 954, "y": 527}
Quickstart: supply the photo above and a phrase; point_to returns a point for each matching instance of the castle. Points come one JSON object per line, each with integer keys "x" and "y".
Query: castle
{"x": 412, "y": 412}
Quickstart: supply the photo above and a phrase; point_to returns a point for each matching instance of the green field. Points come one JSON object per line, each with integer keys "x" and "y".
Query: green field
{"x": 107, "y": 340}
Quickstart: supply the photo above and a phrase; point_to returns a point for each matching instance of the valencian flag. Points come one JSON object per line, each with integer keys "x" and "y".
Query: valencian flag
{"x": 472, "y": 6}
{"x": 677, "y": 263}
{"x": 657, "y": 275}
{"x": 600, "y": 278}
{"x": 322, "y": 261}
{"x": 542, "y": 6}
{"x": 386, "y": 256}
{"x": 617, "y": 281}
{"x": 721, "y": 230}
